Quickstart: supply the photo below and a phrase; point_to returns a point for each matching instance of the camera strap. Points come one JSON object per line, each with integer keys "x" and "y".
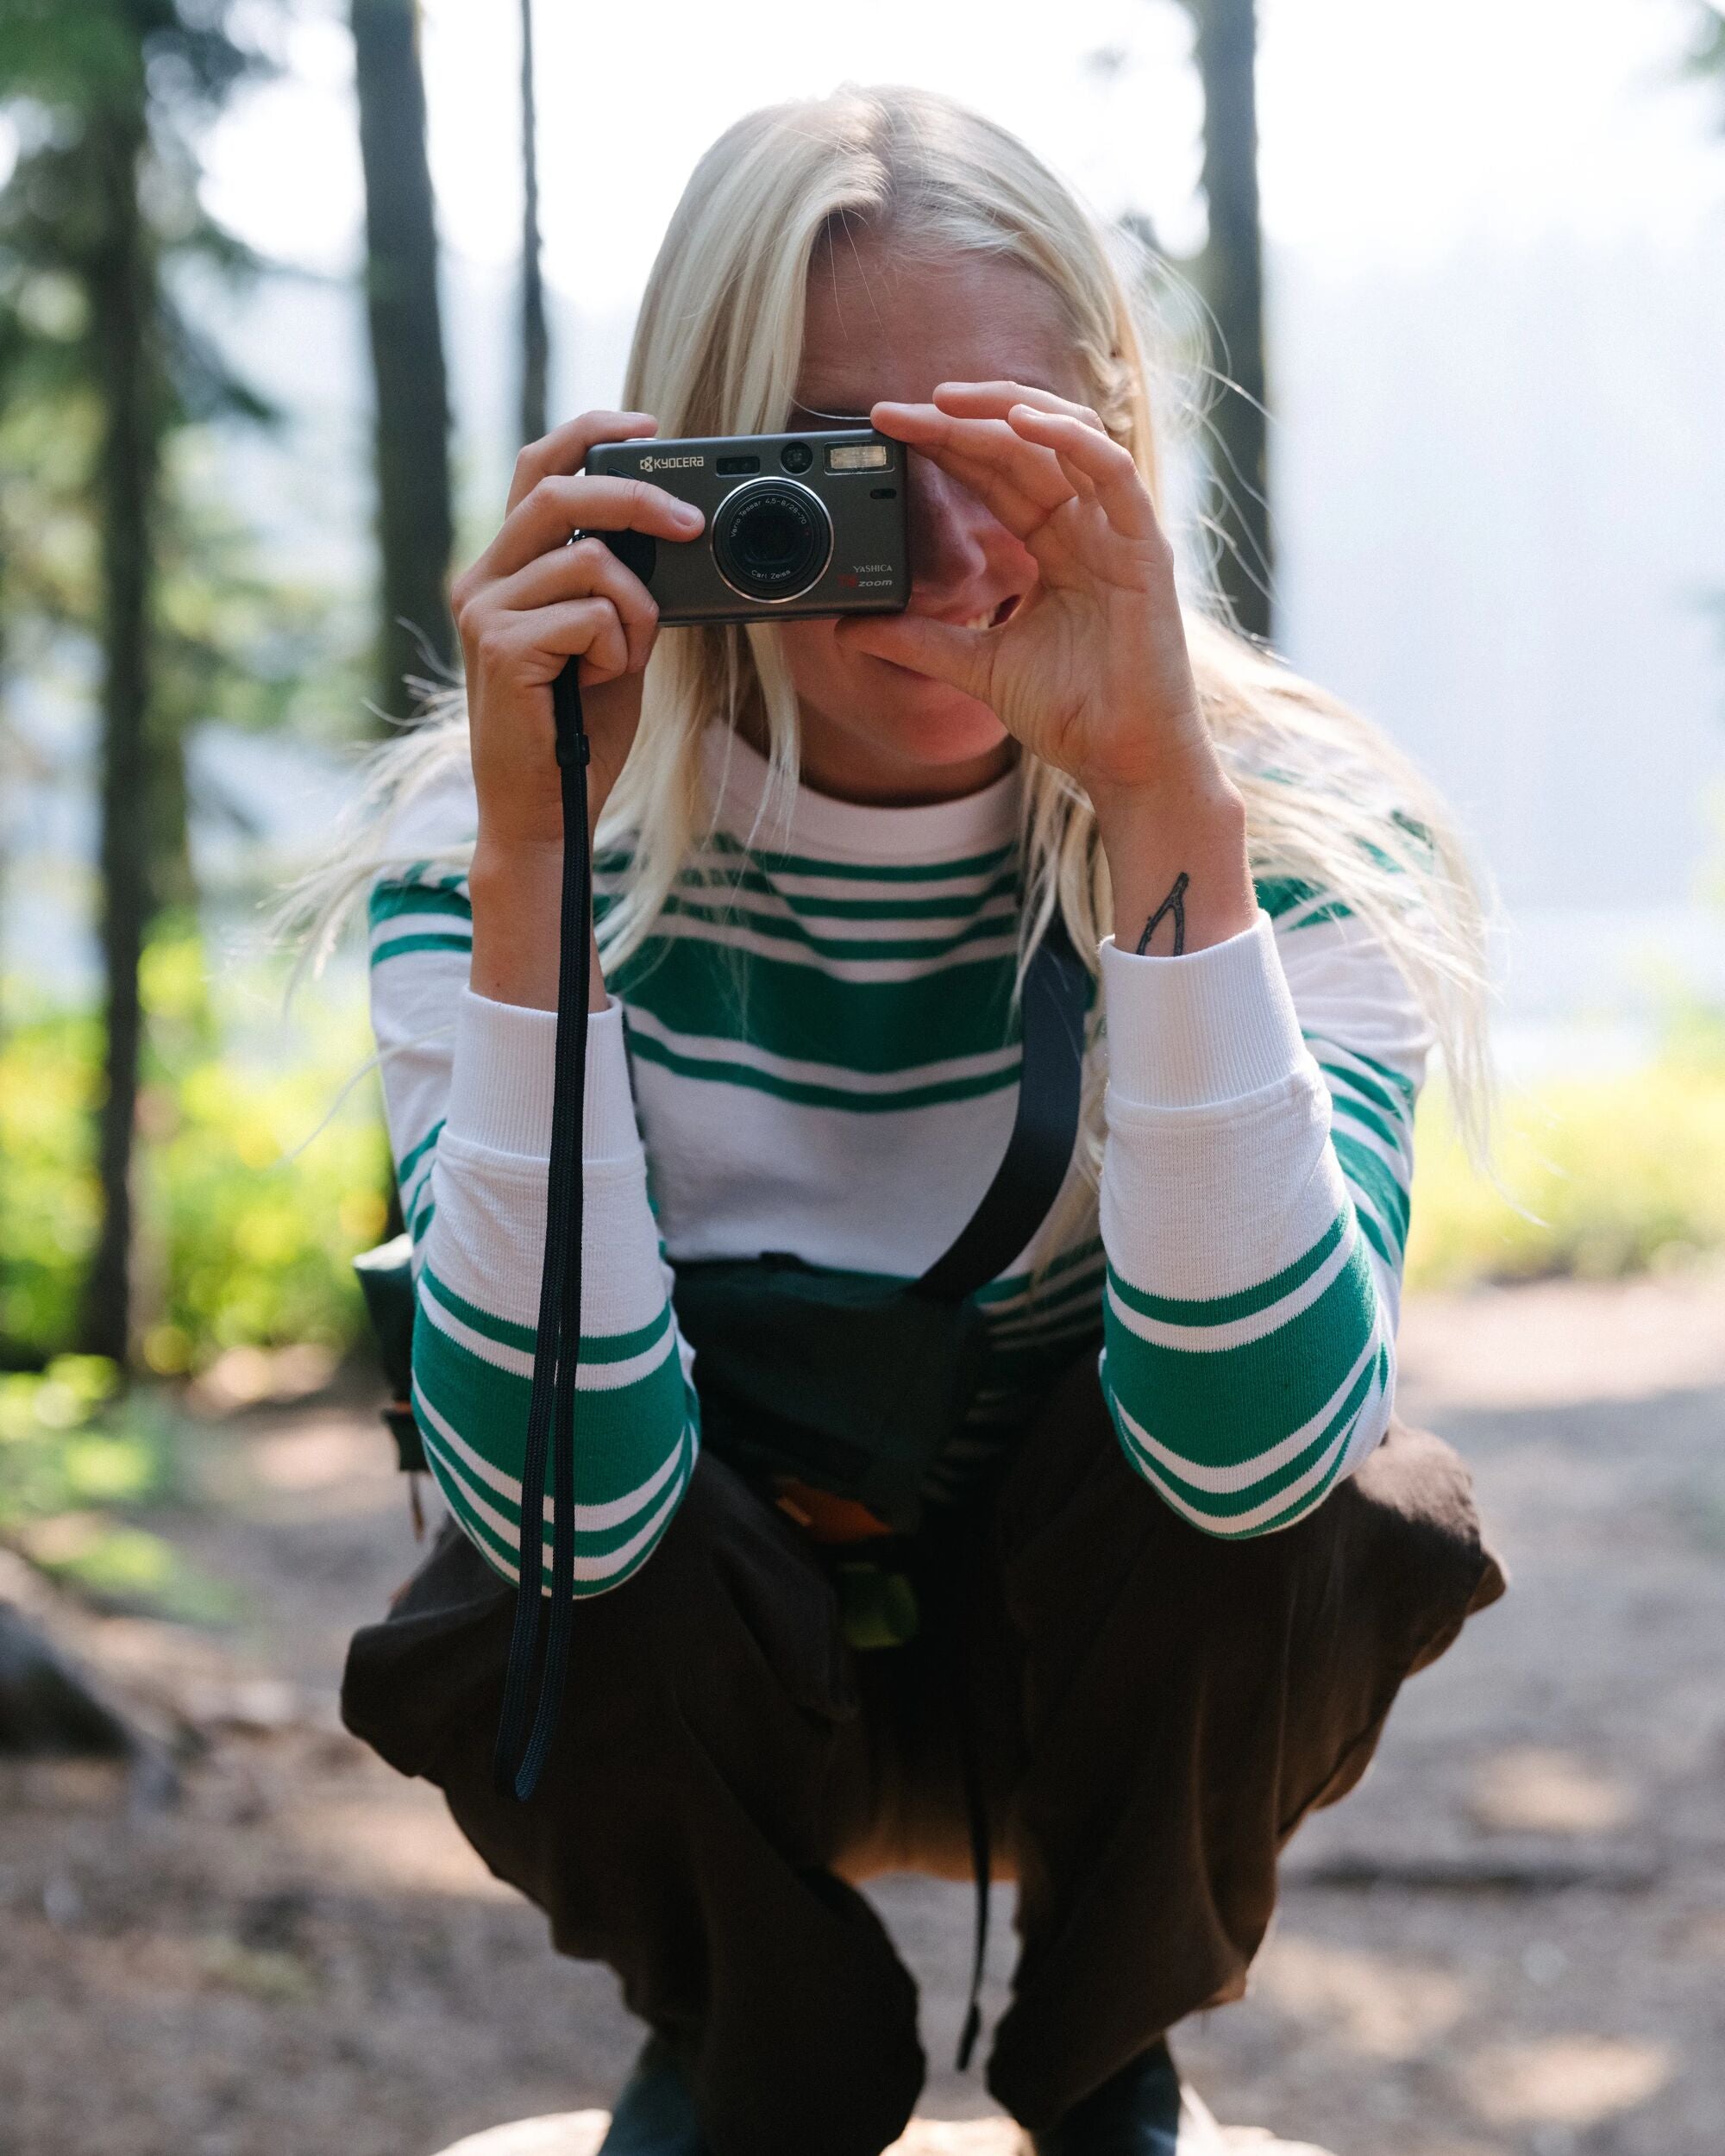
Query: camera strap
{"x": 1037, "y": 1154}
{"x": 521, "y": 1748}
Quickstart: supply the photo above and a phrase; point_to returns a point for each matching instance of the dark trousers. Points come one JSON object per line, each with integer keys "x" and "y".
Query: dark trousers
{"x": 1151, "y": 1710}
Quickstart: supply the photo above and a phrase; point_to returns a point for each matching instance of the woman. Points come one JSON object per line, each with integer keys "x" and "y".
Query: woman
{"x": 1182, "y": 1578}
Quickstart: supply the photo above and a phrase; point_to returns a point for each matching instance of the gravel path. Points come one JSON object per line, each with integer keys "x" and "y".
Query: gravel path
{"x": 1509, "y": 1942}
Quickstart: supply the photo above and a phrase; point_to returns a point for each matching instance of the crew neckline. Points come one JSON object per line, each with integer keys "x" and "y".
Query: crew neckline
{"x": 735, "y": 773}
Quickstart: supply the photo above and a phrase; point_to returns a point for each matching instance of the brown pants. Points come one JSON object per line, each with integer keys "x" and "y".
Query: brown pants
{"x": 1152, "y": 1712}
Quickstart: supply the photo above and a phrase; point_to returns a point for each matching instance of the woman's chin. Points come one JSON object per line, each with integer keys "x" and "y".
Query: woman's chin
{"x": 934, "y": 720}
{"x": 940, "y": 738}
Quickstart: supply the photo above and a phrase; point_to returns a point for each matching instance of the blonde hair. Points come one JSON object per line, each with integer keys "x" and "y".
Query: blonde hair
{"x": 717, "y": 349}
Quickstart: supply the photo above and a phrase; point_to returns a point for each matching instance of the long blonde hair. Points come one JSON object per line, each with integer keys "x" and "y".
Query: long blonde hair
{"x": 717, "y": 350}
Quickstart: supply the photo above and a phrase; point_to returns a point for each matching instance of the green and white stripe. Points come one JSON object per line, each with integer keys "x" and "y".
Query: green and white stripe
{"x": 422, "y": 910}
{"x": 1289, "y": 1478}
{"x": 1204, "y": 1390}
{"x": 1372, "y": 1131}
{"x": 472, "y": 1376}
{"x": 823, "y": 1058}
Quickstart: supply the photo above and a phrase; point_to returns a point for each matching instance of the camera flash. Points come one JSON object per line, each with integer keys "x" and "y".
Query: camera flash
{"x": 857, "y": 456}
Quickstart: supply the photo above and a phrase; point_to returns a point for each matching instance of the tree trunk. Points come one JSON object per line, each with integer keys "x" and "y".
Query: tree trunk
{"x": 414, "y": 519}
{"x": 48, "y": 1706}
{"x": 122, "y": 293}
{"x": 1232, "y": 277}
{"x": 536, "y": 346}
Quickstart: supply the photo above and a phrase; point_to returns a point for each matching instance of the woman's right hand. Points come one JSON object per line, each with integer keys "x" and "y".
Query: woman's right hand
{"x": 532, "y": 601}
{"x": 526, "y": 607}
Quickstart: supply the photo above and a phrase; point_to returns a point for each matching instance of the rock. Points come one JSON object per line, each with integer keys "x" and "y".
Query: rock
{"x": 966, "y": 2137}
{"x": 1257, "y": 2141}
{"x": 570, "y": 2134}
{"x": 48, "y": 1705}
{"x": 580, "y": 2133}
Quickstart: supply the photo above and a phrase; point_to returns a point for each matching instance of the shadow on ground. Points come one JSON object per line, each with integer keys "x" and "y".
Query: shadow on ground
{"x": 1509, "y": 1942}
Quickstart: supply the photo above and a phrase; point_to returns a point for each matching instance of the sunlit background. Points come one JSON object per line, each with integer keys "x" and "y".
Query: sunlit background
{"x": 1495, "y": 317}
{"x": 1494, "y": 340}
{"x": 1496, "y": 295}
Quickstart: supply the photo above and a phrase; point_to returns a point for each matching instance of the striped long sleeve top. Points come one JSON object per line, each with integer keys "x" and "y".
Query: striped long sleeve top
{"x": 815, "y": 1051}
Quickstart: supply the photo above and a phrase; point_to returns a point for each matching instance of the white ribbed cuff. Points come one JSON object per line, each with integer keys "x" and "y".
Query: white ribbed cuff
{"x": 1207, "y": 1027}
{"x": 504, "y": 1068}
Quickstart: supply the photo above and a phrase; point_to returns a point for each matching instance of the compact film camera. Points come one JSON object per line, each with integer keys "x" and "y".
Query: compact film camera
{"x": 796, "y": 524}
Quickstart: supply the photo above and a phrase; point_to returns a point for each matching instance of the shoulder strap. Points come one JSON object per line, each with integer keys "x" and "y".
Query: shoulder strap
{"x": 1039, "y": 1151}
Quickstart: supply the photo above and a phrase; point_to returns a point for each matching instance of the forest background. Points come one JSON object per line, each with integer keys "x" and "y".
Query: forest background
{"x": 246, "y": 430}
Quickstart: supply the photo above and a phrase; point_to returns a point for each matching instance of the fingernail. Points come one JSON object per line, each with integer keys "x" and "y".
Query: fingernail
{"x": 688, "y": 514}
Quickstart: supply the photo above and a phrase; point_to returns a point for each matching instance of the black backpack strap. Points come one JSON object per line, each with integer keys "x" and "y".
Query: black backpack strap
{"x": 1039, "y": 1151}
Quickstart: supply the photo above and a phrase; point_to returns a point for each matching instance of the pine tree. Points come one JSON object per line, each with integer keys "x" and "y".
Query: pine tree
{"x": 1230, "y": 277}
{"x": 108, "y": 97}
{"x": 535, "y": 336}
{"x": 415, "y": 521}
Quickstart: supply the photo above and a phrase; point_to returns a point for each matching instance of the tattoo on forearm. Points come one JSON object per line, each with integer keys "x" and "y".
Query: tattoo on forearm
{"x": 1175, "y": 903}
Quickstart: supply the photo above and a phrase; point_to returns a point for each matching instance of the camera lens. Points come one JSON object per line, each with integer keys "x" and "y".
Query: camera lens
{"x": 772, "y": 540}
{"x": 796, "y": 456}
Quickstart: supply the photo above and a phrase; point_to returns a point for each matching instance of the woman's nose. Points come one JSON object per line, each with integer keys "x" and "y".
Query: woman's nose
{"x": 948, "y": 528}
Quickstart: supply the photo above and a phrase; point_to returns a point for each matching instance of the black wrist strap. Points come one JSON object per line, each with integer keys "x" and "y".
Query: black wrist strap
{"x": 521, "y": 1748}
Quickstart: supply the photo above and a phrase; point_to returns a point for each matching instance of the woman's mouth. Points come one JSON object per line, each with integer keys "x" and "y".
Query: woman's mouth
{"x": 994, "y": 615}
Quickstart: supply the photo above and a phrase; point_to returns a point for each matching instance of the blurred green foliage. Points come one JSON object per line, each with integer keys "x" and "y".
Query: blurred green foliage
{"x": 1597, "y": 1176}
{"x": 250, "y": 1213}
{"x": 57, "y": 1455}
{"x": 247, "y": 1220}
{"x": 76, "y": 1454}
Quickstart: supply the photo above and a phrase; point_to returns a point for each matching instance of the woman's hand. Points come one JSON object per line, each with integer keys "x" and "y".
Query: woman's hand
{"x": 532, "y": 602}
{"x": 526, "y": 607}
{"x": 1089, "y": 671}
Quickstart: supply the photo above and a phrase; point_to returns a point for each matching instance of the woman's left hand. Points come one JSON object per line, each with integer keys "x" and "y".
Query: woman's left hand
{"x": 1089, "y": 671}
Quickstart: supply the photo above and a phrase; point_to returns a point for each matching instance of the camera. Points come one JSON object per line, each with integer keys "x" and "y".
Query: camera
{"x": 796, "y": 524}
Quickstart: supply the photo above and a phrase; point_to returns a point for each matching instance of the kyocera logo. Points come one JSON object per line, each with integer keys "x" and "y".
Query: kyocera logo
{"x": 669, "y": 464}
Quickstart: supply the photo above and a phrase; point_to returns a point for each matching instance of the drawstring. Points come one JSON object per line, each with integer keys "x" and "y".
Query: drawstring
{"x": 976, "y": 1812}
{"x": 976, "y": 1802}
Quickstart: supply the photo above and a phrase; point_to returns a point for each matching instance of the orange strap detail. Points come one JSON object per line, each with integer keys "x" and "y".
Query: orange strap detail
{"x": 828, "y": 1518}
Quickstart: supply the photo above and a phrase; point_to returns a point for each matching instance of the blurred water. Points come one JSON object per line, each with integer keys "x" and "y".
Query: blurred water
{"x": 1581, "y": 989}
{"x": 1588, "y": 990}
{"x": 1499, "y": 478}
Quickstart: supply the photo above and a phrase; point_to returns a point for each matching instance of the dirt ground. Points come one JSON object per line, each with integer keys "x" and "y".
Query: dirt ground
{"x": 1511, "y": 1939}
